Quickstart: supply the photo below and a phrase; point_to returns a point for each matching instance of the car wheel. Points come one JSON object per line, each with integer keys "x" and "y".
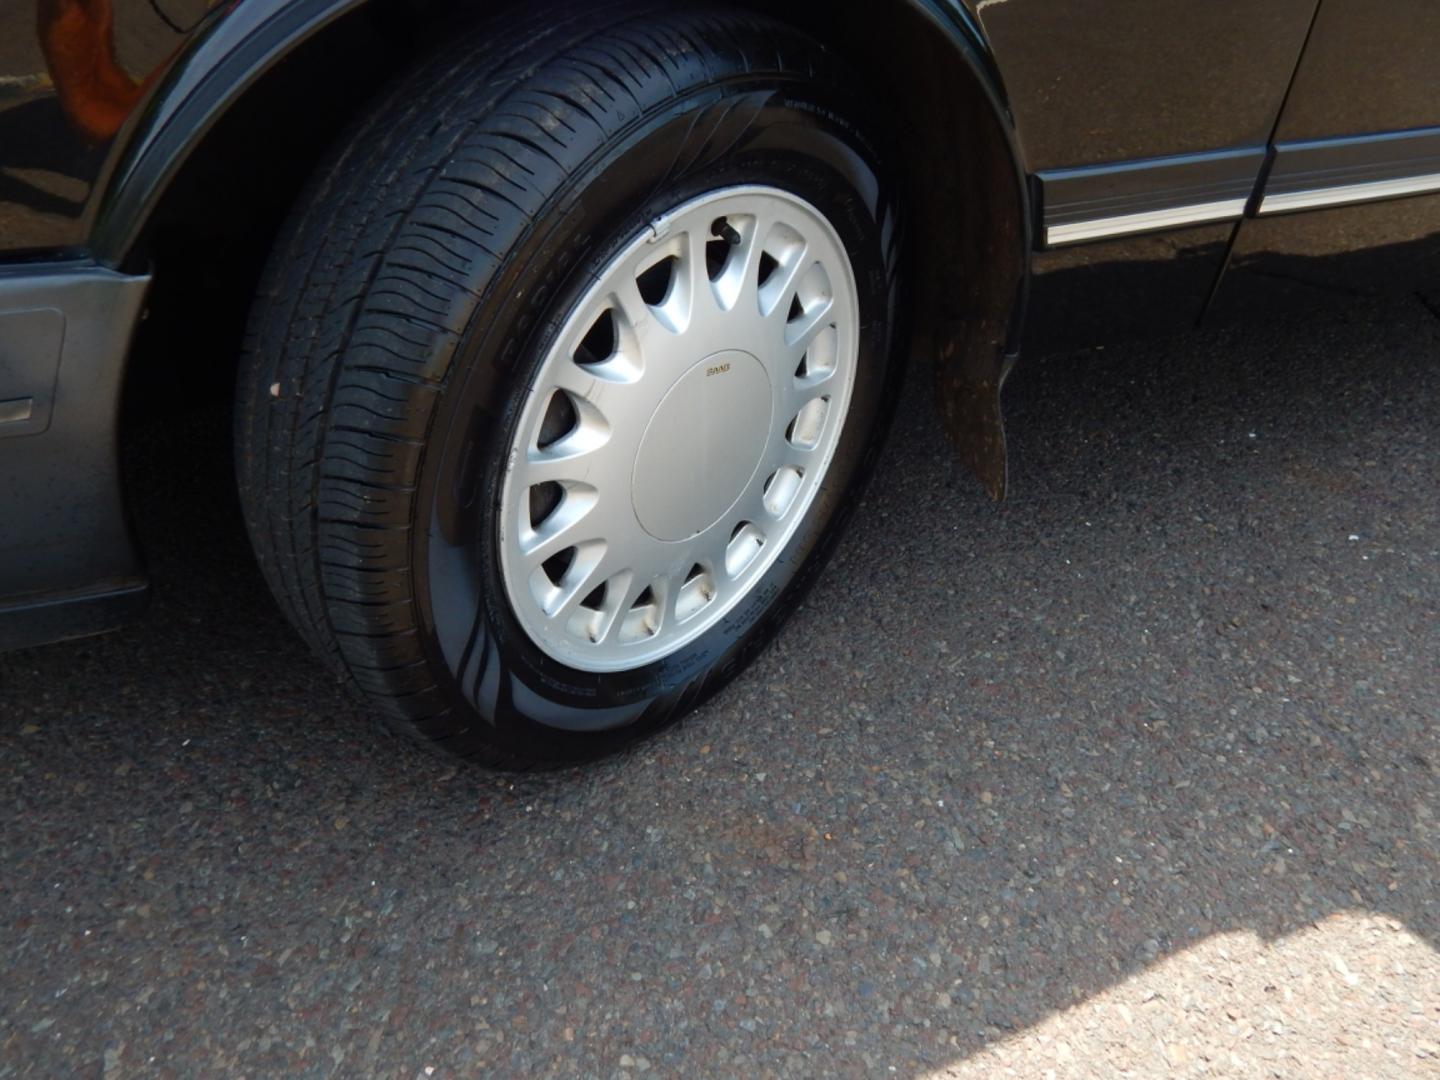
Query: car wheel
{"x": 566, "y": 372}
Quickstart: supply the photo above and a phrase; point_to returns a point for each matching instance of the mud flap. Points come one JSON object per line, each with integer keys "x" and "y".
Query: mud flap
{"x": 970, "y": 371}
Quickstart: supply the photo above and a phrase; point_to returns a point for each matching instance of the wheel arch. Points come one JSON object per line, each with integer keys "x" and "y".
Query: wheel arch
{"x": 217, "y": 68}
{"x": 969, "y": 234}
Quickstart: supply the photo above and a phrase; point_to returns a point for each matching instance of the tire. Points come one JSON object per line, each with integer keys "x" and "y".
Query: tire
{"x": 410, "y": 306}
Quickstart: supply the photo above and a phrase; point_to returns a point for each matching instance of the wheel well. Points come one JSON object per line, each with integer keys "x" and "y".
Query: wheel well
{"x": 968, "y": 221}
{"x": 968, "y": 242}
{"x": 217, "y": 220}
{"x": 212, "y": 229}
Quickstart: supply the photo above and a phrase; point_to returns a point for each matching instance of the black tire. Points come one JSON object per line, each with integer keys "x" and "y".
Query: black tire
{"x": 412, "y": 293}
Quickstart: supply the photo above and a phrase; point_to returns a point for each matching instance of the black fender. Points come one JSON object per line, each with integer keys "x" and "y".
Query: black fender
{"x": 231, "y": 50}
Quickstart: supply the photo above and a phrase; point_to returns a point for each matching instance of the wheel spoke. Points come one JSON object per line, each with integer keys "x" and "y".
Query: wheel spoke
{"x": 753, "y": 248}
{"x": 694, "y": 274}
{"x": 743, "y": 546}
{"x": 794, "y": 393}
{"x": 781, "y": 489}
{"x": 630, "y": 308}
{"x": 800, "y": 331}
{"x": 740, "y": 276}
{"x": 621, "y": 592}
{"x": 776, "y": 293}
{"x": 575, "y": 379}
{"x": 751, "y": 506}
{"x": 567, "y": 524}
{"x": 712, "y": 552}
{"x": 800, "y": 457}
{"x": 538, "y": 547}
{"x": 588, "y": 570}
{"x": 541, "y": 467}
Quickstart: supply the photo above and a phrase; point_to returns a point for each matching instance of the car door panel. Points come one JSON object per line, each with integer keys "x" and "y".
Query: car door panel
{"x": 1144, "y": 125}
{"x": 1362, "y": 121}
{"x": 1351, "y": 201}
{"x": 1129, "y": 80}
{"x": 1368, "y": 67}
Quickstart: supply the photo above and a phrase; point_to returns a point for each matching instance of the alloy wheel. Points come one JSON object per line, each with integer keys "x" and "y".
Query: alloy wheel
{"x": 678, "y": 428}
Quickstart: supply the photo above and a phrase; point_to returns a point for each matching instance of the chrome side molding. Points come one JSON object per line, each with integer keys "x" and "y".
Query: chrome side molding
{"x": 1099, "y": 202}
{"x": 1102, "y": 201}
{"x": 1337, "y": 172}
{"x": 1147, "y": 221}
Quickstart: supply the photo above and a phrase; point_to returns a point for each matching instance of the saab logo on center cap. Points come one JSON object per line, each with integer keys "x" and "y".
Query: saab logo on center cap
{"x": 718, "y": 369}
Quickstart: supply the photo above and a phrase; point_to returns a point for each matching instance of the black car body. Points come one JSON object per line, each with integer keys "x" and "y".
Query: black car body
{"x": 1078, "y": 171}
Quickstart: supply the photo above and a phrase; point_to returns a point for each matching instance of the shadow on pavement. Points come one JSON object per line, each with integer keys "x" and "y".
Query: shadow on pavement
{"x": 1182, "y": 684}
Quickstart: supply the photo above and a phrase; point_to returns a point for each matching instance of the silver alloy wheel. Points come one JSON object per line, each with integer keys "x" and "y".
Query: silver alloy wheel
{"x": 678, "y": 429}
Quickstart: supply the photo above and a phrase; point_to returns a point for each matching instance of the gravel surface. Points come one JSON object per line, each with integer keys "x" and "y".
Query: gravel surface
{"x": 1135, "y": 772}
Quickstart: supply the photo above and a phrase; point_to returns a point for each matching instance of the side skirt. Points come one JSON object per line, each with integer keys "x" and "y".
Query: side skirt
{"x": 68, "y": 561}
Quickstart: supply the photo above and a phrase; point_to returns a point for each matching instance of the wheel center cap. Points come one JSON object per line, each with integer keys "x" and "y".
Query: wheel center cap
{"x": 702, "y": 445}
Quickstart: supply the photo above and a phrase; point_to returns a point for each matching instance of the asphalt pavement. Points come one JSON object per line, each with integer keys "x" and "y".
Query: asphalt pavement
{"x": 1136, "y": 773}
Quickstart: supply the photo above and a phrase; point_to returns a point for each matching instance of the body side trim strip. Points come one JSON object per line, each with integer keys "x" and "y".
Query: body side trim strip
{"x": 1147, "y": 221}
{"x": 1334, "y": 172}
{"x": 1097, "y": 202}
{"x": 1349, "y": 193}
